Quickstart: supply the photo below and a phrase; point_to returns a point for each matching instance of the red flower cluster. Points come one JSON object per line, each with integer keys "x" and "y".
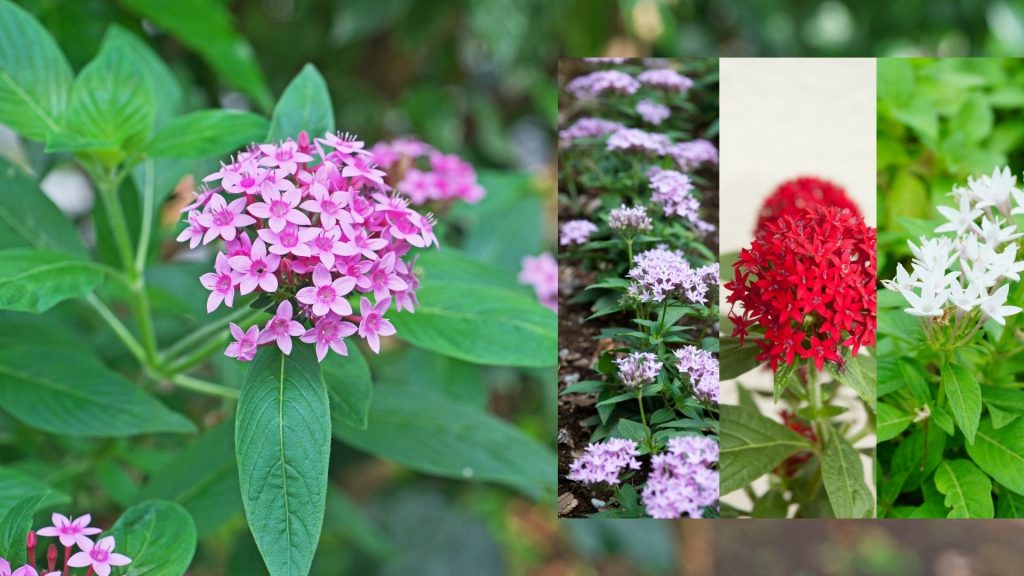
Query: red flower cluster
{"x": 809, "y": 281}
{"x": 794, "y": 196}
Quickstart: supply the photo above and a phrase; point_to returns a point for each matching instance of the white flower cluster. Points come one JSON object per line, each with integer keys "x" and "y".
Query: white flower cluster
{"x": 971, "y": 270}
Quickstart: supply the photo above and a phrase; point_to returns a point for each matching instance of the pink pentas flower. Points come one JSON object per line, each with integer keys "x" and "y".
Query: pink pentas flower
{"x": 193, "y": 232}
{"x": 329, "y": 332}
{"x": 361, "y": 243}
{"x": 327, "y": 294}
{"x": 326, "y": 246}
{"x": 285, "y": 158}
{"x": 293, "y": 239}
{"x": 5, "y": 567}
{"x": 327, "y": 204}
{"x": 541, "y": 272}
{"x": 69, "y": 531}
{"x": 27, "y": 570}
{"x": 279, "y": 209}
{"x": 222, "y": 219}
{"x": 281, "y": 328}
{"x": 244, "y": 346}
{"x": 373, "y": 325}
{"x": 247, "y": 181}
{"x": 100, "y": 556}
{"x": 257, "y": 268}
{"x": 381, "y": 278}
{"x": 357, "y": 167}
{"x": 221, "y": 283}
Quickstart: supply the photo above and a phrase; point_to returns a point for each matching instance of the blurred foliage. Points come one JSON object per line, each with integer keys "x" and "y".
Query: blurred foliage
{"x": 794, "y": 28}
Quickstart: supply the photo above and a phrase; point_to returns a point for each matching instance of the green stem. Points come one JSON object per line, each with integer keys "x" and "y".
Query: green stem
{"x": 198, "y": 355}
{"x": 196, "y": 338}
{"x": 629, "y": 251}
{"x": 109, "y": 183}
{"x": 147, "y": 220}
{"x": 118, "y": 327}
{"x": 199, "y": 385}
{"x": 643, "y": 419}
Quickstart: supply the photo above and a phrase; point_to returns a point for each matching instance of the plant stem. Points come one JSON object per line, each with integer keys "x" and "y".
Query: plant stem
{"x": 203, "y": 386}
{"x": 119, "y": 328}
{"x": 643, "y": 419}
{"x": 814, "y": 383}
{"x": 198, "y": 355}
{"x": 629, "y": 251}
{"x": 200, "y": 339}
{"x": 109, "y": 183}
{"x": 147, "y": 220}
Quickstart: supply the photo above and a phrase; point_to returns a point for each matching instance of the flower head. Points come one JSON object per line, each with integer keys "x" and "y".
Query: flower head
{"x": 373, "y": 325}
{"x": 602, "y": 82}
{"x": 702, "y": 367}
{"x": 425, "y": 174}
{"x": 587, "y": 128}
{"x": 576, "y": 232}
{"x": 792, "y": 197}
{"x": 660, "y": 273}
{"x": 329, "y": 332}
{"x": 638, "y": 369}
{"x": 244, "y": 346}
{"x": 327, "y": 293}
{"x": 541, "y": 272}
{"x": 692, "y": 155}
{"x": 683, "y": 480}
{"x": 69, "y": 531}
{"x": 605, "y": 461}
{"x": 652, "y": 112}
{"x": 665, "y": 79}
{"x": 629, "y": 221}
{"x": 99, "y": 556}
{"x": 281, "y": 328}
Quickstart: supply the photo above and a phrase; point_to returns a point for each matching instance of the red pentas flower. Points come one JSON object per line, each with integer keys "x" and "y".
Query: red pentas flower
{"x": 808, "y": 279}
{"x": 794, "y": 196}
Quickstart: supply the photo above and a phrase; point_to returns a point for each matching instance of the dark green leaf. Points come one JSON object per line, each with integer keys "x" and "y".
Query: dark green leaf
{"x": 207, "y": 133}
{"x": 305, "y": 105}
{"x": 158, "y": 536}
{"x": 15, "y": 524}
{"x": 15, "y": 485}
{"x": 772, "y": 504}
{"x": 349, "y": 386}
{"x": 36, "y": 280}
{"x": 630, "y": 430}
{"x": 843, "y": 476}
{"x": 28, "y": 219}
{"x": 736, "y": 361}
{"x": 752, "y": 445}
{"x": 1010, "y": 505}
{"x": 857, "y": 373}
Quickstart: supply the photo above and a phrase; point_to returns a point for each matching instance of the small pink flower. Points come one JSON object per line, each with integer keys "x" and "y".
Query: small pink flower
{"x": 326, "y": 246}
{"x": 27, "y": 570}
{"x": 257, "y": 269}
{"x": 284, "y": 157}
{"x": 244, "y": 347}
{"x": 193, "y": 232}
{"x": 406, "y": 299}
{"x": 359, "y": 168}
{"x": 373, "y": 325}
{"x": 240, "y": 246}
{"x": 221, "y": 283}
{"x": 279, "y": 209}
{"x": 5, "y": 567}
{"x": 221, "y": 218}
{"x": 343, "y": 143}
{"x": 70, "y": 532}
{"x": 100, "y": 556}
{"x": 247, "y": 181}
{"x": 292, "y": 240}
{"x": 281, "y": 328}
{"x": 362, "y": 244}
{"x": 328, "y": 204}
{"x": 381, "y": 278}
{"x": 326, "y": 294}
{"x": 330, "y": 332}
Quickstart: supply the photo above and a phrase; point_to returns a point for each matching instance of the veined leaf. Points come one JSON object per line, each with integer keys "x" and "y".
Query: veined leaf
{"x": 782, "y": 377}
{"x": 36, "y": 280}
{"x": 891, "y": 421}
{"x": 207, "y": 133}
{"x": 14, "y": 486}
{"x": 843, "y": 476}
{"x": 735, "y": 360}
{"x": 15, "y": 524}
{"x": 305, "y": 105}
{"x": 28, "y": 219}
{"x": 964, "y": 398}
{"x": 349, "y": 386}
{"x": 158, "y": 536}
{"x": 968, "y": 490}
{"x": 752, "y": 445}
{"x": 1000, "y": 453}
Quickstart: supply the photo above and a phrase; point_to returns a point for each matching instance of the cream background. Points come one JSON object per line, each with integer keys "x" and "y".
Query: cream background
{"x": 783, "y": 118}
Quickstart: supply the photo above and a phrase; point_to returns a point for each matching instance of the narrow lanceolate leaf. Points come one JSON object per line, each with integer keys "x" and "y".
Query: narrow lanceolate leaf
{"x": 964, "y": 396}
{"x": 1000, "y": 453}
{"x": 34, "y": 76}
{"x": 782, "y": 377}
{"x": 15, "y": 524}
{"x": 36, "y": 280}
{"x": 349, "y": 386}
{"x": 968, "y": 490}
{"x": 736, "y": 360}
{"x": 752, "y": 445}
{"x": 28, "y": 219}
{"x": 843, "y": 476}
{"x": 207, "y": 133}
{"x": 305, "y": 105}
{"x": 891, "y": 421}
{"x": 282, "y": 444}
{"x": 158, "y": 536}
{"x": 481, "y": 325}
{"x": 69, "y": 393}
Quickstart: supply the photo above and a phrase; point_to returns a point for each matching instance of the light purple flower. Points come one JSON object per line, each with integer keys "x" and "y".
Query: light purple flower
{"x": 652, "y": 112}
{"x": 373, "y": 325}
{"x": 193, "y": 232}
{"x": 634, "y": 139}
{"x": 329, "y": 332}
{"x": 221, "y": 219}
{"x": 665, "y": 79}
{"x": 221, "y": 283}
{"x": 69, "y": 531}
{"x": 381, "y": 278}
{"x": 541, "y": 272}
{"x": 673, "y": 192}
{"x": 702, "y": 366}
{"x": 601, "y": 82}
{"x": 638, "y": 369}
{"x": 604, "y": 462}
{"x": 691, "y": 155}
{"x": 629, "y": 220}
{"x": 660, "y": 273}
{"x": 100, "y": 556}
{"x": 576, "y": 232}
{"x": 279, "y": 209}
{"x": 682, "y": 481}
{"x": 293, "y": 239}
{"x": 587, "y": 128}
{"x": 244, "y": 346}
{"x": 257, "y": 269}
{"x": 327, "y": 294}
{"x": 281, "y": 328}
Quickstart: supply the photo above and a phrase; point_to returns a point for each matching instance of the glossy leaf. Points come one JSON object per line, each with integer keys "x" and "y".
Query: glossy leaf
{"x": 891, "y": 421}
{"x": 29, "y": 219}
{"x": 207, "y": 133}
{"x": 34, "y": 76}
{"x": 158, "y": 536}
{"x": 752, "y": 445}
{"x": 968, "y": 490}
{"x": 36, "y": 280}
{"x": 282, "y": 444}
{"x": 349, "y": 386}
{"x": 843, "y": 476}
{"x": 15, "y": 524}
{"x": 305, "y": 105}
{"x": 69, "y": 393}
{"x": 1000, "y": 453}
{"x": 964, "y": 396}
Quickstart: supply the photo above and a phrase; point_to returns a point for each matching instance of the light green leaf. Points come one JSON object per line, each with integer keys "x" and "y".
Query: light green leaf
{"x": 453, "y": 266}
{"x": 28, "y": 219}
{"x": 163, "y": 84}
{"x": 1010, "y": 505}
{"x": 431, "y": 434}
{"x": 15, "y": 524}
{"x": 974, "y": 119}
{"x": 69, "y": 393}
{"x": 843, "y": 476}
{"x": 349, "y": 386}
{"x": 34, "y": 76}
{"x": 305, "y": 105}
{"x": 481, "y": 324}
{"x": 158, "y": 536}
{"x": 282, "y": 444}
{"x": 752, "y": 445}
{"x": 891, "y": 421}
{"x": 772, "y": 504}
{"x": 964, "y": 398}
{"x": 15, "y": 485}
{"x": 207, "y": 133}
{"x": 782, "y": 378}
{"x": 737, "y": 361}
{"x": 968, "y": 490}
{"x": 1000, "y": 453}
{"x": 36, "y": 280}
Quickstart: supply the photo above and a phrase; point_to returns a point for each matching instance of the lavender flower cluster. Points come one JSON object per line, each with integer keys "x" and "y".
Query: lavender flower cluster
{"x": 665, "y": 79}
{"x": 660, "y": 273}
{"x": 603, "y": 462}
{"x": 601, "y": 82}
{"x": 587, "y": 128}
{"x": 683, "y": 480}
{"x": 652, "y": 112}
{"x": 673, "y": 191}
{"x": 638, "y": 369}
{"x": 576, "y": 232}
{"x": 693, "y": 154}
{"x": 702, "y": 367}
{"x": 629, "y": 221}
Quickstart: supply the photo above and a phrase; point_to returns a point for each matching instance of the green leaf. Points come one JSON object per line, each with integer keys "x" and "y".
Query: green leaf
{"x": 305, "y": 105}
{"x": 843, "y": 476}
{"x": 69, "y": 393}
{"x": 15, "y": 485}
{"x": 737, "y": 361}
{"x": 583, "y": 387}
{"x": 203, "y": 479}
{"x": 968, "y": 490}
{"x": 481, "y": 324}
{"x": 782, "y": 378}
{"x": 974, "y": 119}
{"x": 213, "y": 37}
{"x": 859, "y": 374}
{"x": 282, "y": 443}
{"x": 964, "y": 398}
{"x": 15, "y": 524}
{"x": 349, "y": 386}
{"x": 158, "y": 536}
{"x": 771, "y": 505}
{"x": 207, "y": 133}
{"x": 1010, "y": 505}
{"x": 166, "y": 89}
{"x": 752, "y": 445}
{"x": 453, "y": 266}
{"x": 891, "y": 421}
{"x": 28, "y": 219}
{"x": 1000, "y": 453}
{"x": 431, "y": 434}
{"x": 34, "y": 76}
{"x": 36, "y": 280}
{"x": 112, "y": 105}
{"x": 630, "y": 430}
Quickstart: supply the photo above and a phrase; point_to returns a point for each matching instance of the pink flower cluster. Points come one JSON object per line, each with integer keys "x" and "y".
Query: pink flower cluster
{"x": 683, "y": 480}
{"x": 311, "y": 222}
{"x": 652, "y": 112}
{"x": 98, "y": 556}
{"x": 665, "y": 79}
{"x": 629, "y": 221}
{"x": 660, "y": 273}
{"x": 693, "y": 154}
{"x": 587, "y": 128}
{"x": 576, "y": 232}
{"x": 597, "y": 83}
{"x": 423, "y": 173}
{"x": 604, "y": 461}
{"x": 702, "y": 367}
{"x": 636, "y": 140}
{"x": 638, "y": 369}
{"x": 541, "y": 272}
